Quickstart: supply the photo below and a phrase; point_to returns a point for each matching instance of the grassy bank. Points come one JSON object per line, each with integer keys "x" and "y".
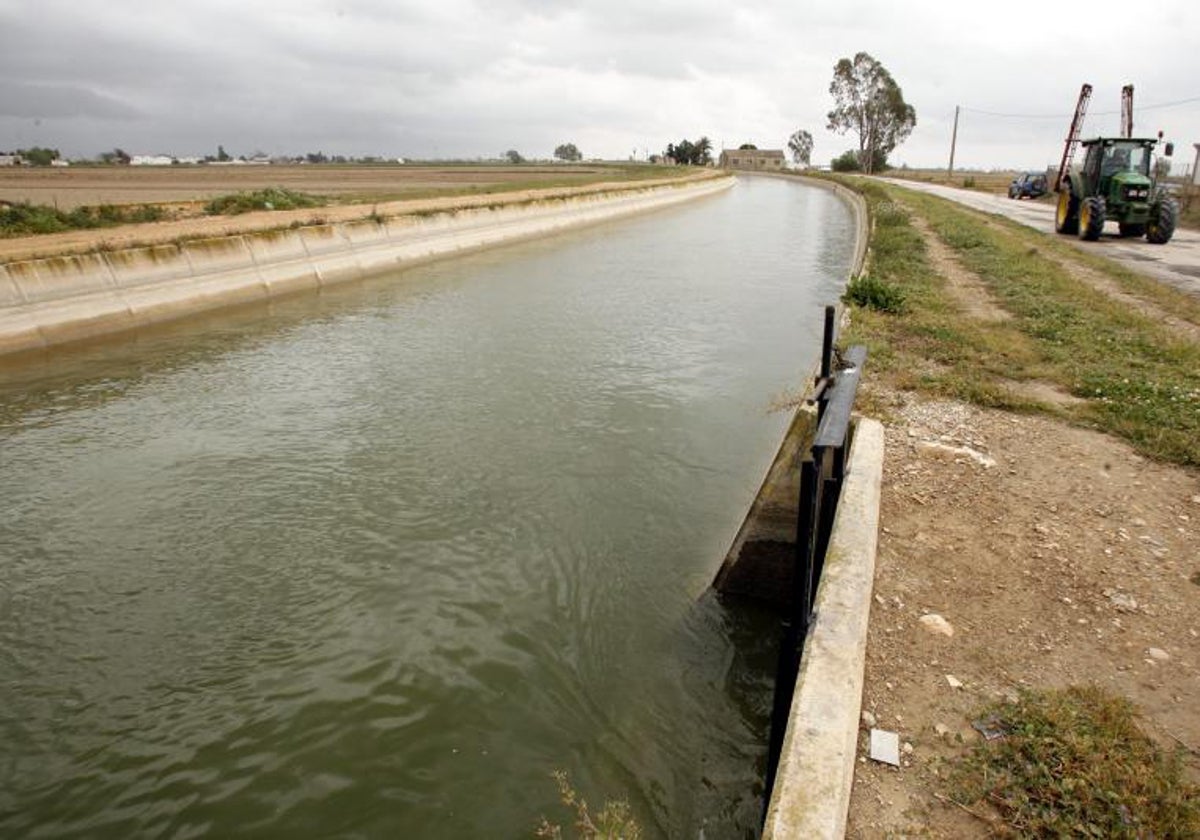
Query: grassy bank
{"x": 1124, "y": 372}
{"x": 1074, "y": 763}
{"x": 25, "y": 219}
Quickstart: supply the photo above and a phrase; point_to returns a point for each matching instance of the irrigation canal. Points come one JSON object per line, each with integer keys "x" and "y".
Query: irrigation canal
{"x": 374, "y": 562}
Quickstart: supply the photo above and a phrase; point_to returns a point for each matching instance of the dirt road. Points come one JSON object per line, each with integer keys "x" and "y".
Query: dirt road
{"x": 1177, "y": 263}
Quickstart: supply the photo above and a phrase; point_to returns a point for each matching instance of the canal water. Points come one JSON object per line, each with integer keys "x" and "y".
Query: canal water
{"x": 375, "y": 562}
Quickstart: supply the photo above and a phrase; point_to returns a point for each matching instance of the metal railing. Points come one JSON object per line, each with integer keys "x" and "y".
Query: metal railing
{"x": 821, "y": 475}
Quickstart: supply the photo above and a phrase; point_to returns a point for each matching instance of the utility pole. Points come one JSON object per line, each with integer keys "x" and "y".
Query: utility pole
{"x": 953, "y": 143}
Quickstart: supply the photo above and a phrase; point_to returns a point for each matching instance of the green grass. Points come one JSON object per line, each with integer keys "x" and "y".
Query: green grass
{"x": 26, "y": 219}
{"x": 270, "y": 198}
{"x": 1135, "y": 378}
{"x": 1075, "y": 764}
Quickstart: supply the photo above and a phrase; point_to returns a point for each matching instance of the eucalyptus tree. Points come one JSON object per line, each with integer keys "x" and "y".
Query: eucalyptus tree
{"x": 869, "y": 103}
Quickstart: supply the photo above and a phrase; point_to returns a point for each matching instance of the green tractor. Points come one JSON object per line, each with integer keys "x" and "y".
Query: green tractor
{"x": 1115, "y": 184}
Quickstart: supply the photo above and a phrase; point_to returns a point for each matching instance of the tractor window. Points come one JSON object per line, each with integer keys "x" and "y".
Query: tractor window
{"x": 1124, "y": 158}
{"x": 1139, "y": 160}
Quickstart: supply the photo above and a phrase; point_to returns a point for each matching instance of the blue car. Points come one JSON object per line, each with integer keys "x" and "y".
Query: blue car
{"x": 1028, "y": 185}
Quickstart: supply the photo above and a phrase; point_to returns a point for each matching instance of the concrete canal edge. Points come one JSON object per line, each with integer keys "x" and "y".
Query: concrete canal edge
{"x": 811, "y": 797}
{"x": 811, "y": 794}
{"x": 57, "y": 300}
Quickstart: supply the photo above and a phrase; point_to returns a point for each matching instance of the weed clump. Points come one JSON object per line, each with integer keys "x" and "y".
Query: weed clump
{"x": 1074, "y": 764}
{"x": 613, "y": 822}
{"x": 872, "y": 293}
{"x": 25, "y": 219}
{"x": 271, "y": 198}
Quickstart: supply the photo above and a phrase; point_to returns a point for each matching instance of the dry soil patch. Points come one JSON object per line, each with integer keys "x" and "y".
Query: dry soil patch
{"x": 1058, "y": 556}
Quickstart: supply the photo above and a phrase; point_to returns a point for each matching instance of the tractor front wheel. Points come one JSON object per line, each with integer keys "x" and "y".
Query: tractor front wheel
{"x": 1066, "y": 214}
{"x": 1162, "y": 222}
{"x": 1091, "y": 218}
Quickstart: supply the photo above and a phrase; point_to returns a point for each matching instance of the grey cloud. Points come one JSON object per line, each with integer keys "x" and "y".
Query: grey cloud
{"x": 467, "y": 77}
{"x": 19, "y": 99}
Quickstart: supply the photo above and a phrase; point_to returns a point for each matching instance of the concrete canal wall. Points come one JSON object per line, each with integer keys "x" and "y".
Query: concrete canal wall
{"x": 810, "y": 798}
{"x": 45, "y": 302}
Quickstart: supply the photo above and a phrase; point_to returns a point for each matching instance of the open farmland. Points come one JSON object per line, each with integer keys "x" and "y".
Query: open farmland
{"x": 396, "y": 191}
{"x": 78, "y": 186}
{"x": 992, "y": 182}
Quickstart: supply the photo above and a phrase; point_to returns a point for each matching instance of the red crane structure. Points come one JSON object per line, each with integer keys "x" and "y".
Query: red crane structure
{"x": 1085, "y": 95}
{"x": 1127, "y": 111}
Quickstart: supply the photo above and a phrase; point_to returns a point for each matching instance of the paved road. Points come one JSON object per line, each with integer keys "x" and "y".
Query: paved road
{"x": 1176, "y": 263}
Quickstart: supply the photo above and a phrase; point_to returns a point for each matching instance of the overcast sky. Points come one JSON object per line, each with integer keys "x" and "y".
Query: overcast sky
{"x": 467, "y": 78}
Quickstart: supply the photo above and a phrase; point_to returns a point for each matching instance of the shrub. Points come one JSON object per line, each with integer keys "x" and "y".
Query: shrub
{"x": 852, "y": 161}
{"x": 26, "y": 219}
{"x": 871, "y": 293}
{"x": 271, "y": 198}
{"x": 846, "y": 162}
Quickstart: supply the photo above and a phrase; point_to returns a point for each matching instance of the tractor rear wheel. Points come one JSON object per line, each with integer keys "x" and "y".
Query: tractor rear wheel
{"x": 1066, "y": 214}
{"x": 1132, "y": 229}
{"x": 1091, "y": 218}
{"x": 1162, "y": 222}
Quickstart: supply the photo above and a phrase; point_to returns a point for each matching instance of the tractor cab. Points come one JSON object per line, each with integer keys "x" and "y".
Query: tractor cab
{"x": 1118, "y": 169}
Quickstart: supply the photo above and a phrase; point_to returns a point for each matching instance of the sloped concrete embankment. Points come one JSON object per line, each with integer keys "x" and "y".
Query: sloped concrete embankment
{"x": 53, "y": 301}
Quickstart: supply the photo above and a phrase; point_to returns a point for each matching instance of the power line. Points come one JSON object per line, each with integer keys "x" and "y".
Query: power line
{"x": 1092, "y": 113}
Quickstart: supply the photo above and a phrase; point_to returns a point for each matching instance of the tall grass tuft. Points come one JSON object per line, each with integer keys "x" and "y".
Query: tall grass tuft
{"x": 271, "y": 198}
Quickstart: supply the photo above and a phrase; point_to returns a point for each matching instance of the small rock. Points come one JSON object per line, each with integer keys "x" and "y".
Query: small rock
{"x": 1158, "y": 654}
{"x": 941, "y": 729}
{"x": 869, "y": 720}
{"x": 934, "y": 623}
{"x": 1123, "y": 601}
{"x": 954, "y": 681}
{"x": 907, "y": 748}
